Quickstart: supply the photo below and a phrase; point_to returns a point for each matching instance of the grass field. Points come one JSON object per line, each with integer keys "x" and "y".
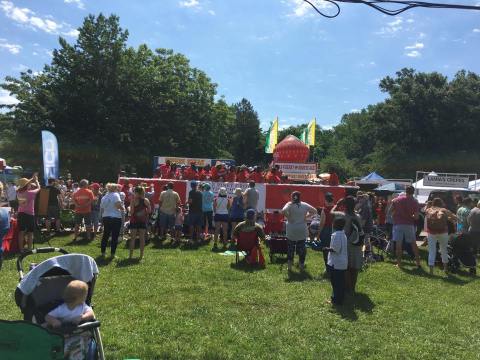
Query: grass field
{"x": 194, "y": 304}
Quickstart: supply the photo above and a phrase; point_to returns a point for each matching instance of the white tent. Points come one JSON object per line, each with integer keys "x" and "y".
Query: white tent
{"x": 422, "y": 192}
{"x": 474, "y": 185}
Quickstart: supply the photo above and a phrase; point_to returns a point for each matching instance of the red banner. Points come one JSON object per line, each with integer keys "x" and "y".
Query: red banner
{"x": 279, "y": 194}
{"x": 276, "y": 196}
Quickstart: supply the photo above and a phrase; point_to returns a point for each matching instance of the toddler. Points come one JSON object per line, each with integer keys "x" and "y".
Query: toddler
{"x": 73, "y": 311}
{"x": 337, "y": 261}
{"x": 178, "y": 224}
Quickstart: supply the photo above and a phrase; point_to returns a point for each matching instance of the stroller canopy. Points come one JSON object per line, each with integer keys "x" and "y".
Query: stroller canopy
{"x": 81, "y": 267}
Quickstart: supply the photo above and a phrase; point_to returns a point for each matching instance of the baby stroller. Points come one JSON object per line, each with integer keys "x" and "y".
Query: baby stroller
{"x": 461, "y": 252}
{"x": 41, "y": 289}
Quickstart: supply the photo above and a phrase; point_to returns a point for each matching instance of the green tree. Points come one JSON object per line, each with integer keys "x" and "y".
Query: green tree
{"x": 246, "y": 136}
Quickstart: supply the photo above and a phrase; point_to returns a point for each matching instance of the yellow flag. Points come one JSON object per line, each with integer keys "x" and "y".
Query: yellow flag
{"x": 272, "y": 137}
{"x": 311, "y": 132}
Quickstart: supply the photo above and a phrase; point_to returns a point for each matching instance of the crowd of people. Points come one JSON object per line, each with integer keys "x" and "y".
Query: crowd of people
{"x": 222, "y": 172}
{"x": 341, "y": 228}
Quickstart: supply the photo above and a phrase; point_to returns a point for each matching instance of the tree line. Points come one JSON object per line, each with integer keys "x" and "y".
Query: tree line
{"x": 111, "y": 105}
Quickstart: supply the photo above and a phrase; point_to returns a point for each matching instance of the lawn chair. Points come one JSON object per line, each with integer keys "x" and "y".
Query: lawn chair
{"x": 246, "y": 242}
{"x": 277, "y": 245}
{"x": 24, "y": 340}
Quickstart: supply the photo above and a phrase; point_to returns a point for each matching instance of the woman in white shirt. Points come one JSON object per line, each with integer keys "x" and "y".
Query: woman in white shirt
{"x": 296, "y": 212}
{"x": 111, "y": 209}
{"x": 221, "y": 208}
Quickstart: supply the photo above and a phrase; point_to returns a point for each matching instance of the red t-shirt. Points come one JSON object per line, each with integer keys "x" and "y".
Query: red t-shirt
{"x": 257, "y": 177}
{"x": 404, "y": 208}
{"x": 164, "y": 171}
{"x": 333, "y": 181}
{"x": 328, "y": 216}
{"x": 242, "y": 176}
{"x": 272, "y": 178}
{"x": 83, "y": 201}
{"x": 191, "y": 174}
{"x": 230, "y": 177}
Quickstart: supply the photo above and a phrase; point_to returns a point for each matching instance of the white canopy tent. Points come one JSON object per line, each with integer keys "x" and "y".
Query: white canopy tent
{"x": 422, "y": 192}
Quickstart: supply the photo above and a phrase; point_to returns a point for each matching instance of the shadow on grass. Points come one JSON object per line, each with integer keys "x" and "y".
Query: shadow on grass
{"x": 242, "y": 265}
{"x": 450, "y": 278}
{"x": 353, "y": 303}
{"x": 128, "y": 262}
{"x": 103, "y": 261}
{"x": 298, "y": 276}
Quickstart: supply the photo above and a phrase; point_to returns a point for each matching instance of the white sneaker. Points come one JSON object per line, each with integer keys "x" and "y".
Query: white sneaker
{"x": 289, "y": 266}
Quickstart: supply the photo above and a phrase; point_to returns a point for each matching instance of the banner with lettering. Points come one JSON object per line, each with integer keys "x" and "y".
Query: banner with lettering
{"x": 50, "y": 156}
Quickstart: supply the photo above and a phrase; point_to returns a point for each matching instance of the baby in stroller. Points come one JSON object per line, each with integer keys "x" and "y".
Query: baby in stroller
{"x": 73, "y": 311}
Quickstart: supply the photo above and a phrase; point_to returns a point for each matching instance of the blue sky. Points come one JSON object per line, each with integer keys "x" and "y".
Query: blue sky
{"x": 279, "y": 54}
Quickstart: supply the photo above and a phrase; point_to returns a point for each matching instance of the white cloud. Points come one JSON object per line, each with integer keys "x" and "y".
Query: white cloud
{"x": 391, "y": 28}
{"x": 12, "y": 48}
{"x": 414, "y": 54}
{"x": 355, "y": 110}
{"x": 6, "y": 98}
{"x": 302, "y": 8}
{"x": 72, "y": 33}
{"x": 410, "y": 21}
{"x": 27, "y": 17}
{"x": 476, "y": 30}
{"x": 79, "y": 3}
{"x": 211, "y": 12}
{"x": 189, "y": 3}
{"x": 415, "y": 46}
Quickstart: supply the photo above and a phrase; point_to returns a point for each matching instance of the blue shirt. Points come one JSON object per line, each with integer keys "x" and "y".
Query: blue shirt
{"x": 207, "y": 200}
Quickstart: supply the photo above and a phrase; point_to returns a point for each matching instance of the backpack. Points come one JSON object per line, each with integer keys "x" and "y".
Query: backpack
{"x": 437, "y": 219}
{"x": 356, "y": 236}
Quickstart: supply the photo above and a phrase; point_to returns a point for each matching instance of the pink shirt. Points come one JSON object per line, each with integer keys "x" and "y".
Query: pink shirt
{"x": 404, "y": 209}
{"x": 26, "y": 201}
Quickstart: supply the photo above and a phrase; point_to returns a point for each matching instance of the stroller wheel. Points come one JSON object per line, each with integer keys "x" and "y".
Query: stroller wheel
{"x": 473, "y": 271}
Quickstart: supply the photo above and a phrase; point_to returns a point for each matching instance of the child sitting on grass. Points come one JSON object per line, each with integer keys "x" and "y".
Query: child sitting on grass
{"x": 337, "y": 261}
{"x": 73, "y": 311}
{"x": 179, "y": 218}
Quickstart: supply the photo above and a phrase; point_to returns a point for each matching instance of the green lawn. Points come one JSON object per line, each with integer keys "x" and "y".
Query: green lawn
{"x": 194, "y": 304}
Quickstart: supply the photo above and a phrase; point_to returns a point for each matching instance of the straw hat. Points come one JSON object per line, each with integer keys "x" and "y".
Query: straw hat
{"x": 238, "y": 191}
{"x": 222, "y": 191}
{"x": 21, "y": 183}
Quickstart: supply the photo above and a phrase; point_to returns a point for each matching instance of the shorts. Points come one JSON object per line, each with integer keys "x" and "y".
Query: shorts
{"x": 208, "y": 218}
{"x": 87, "y": 218}
{"x": 166, "y": 220}
{"x": 221, "y": 218}
{"x": 53, "y": 212}
{"x": 404, "y": 231}
{"x": 178, "y": 227}
{"x": 26, "y": 222}
{"x": 95, "y": 217}
{"x": 237, "y": 219}
{"x": 195, "y": 219}
{"x": 137, "y": 226}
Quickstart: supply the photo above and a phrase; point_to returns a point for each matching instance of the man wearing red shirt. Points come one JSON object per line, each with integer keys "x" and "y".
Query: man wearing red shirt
{"x": 242, "y": 175}
{"x": 204, "y": 174}
{"x": 191, "y": 172}
{"x": 231, "y": 176}
{"x": 165, "y": 170}
{"x": 257, "y": 176}
{"x": 333, "y": 180}
{"x": 272, "y": 177}
{"x": 83, "y": 199}
{"x": 405, "y": 210}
